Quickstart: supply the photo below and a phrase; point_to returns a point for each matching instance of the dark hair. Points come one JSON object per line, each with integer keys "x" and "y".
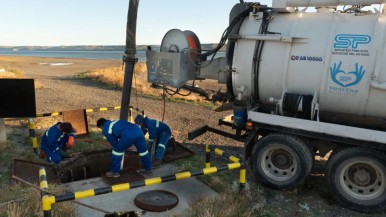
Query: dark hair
{"x": 100, "y": 122}
{"x": 66, "y": 127}
{"x": 139, "y": 120}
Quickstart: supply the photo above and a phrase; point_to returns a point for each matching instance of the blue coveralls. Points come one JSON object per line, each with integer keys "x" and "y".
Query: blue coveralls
{"x": 121, "y": 135}
{"x": 53, "y": 143}
{"x": 158, "y": 131}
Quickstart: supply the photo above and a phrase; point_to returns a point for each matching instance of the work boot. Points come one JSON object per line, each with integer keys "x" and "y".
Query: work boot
{"x": 112, "y": 175}
{"x": 146, "y": 172}
{"x": 157, "y": 163}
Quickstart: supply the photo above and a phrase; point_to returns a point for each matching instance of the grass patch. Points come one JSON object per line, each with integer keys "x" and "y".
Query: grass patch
{"x": 114, "y": 76}
{"x": 27, "y": 202}
{"x": 17, "y": 73}
{"x": 30, "y": 203}
{"x": 218, "y": 181}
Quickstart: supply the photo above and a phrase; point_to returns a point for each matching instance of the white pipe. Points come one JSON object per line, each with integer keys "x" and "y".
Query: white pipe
{"x": 320, "y": 3}
{"x": 378, "y": 85}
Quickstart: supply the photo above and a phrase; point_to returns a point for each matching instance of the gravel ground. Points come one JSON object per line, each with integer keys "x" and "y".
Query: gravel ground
{"x": 62, "y": 90}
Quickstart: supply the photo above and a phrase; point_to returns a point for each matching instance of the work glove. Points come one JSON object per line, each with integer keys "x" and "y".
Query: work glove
{"x": 70, "y": 142}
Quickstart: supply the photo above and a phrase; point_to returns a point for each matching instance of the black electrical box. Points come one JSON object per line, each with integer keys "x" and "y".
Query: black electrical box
{"x": 17, "y": 98}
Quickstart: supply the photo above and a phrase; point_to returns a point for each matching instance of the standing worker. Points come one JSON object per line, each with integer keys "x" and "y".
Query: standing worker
{"x": 56, "y": 140}
{"x": 122, "y": 135}
{"x": 159, "y": 135}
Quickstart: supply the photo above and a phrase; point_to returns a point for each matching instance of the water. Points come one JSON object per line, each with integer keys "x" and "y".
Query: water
{"x": 79, "y": 54}
{"x": 110, "y": 55}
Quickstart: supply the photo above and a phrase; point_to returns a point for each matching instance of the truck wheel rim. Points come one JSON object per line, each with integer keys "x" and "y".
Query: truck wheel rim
{"x": 279, "y": 163}
{"x": 363, "y": 180}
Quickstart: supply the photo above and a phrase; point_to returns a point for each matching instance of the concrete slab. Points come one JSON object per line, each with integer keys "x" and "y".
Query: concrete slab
{"x": 187, "y": 190}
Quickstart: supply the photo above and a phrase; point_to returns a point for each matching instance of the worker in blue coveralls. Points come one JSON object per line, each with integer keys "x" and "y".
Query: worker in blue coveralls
{"x": 56, "y": 140}
{"x": 158, "y": 132}
{"x": 122, "y": 135}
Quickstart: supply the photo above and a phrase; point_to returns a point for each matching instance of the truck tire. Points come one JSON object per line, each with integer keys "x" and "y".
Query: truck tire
{"x": 281, "y": 161}
{"x": 357, "y": 178}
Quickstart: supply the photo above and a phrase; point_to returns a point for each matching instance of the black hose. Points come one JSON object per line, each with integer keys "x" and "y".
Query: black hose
{"x": 226, "y": 33}
{"x": 259, "y": 50}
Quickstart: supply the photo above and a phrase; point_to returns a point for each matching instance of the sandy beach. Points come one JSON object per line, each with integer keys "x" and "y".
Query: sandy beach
{"x": 62, "y": 90}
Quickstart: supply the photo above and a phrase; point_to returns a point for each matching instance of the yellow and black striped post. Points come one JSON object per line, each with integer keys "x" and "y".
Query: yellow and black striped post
{"x": 32, "y": 134}
{"x": 243, "y": 174}
{"x": 46, "y": 199}
{"x": 207, "y": 156}
{"x": 243, "y": 170}
{"x": 131, "y": 115}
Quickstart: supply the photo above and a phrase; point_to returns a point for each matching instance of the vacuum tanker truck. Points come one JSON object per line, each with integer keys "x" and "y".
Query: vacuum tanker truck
{"x": 302, "y": 84}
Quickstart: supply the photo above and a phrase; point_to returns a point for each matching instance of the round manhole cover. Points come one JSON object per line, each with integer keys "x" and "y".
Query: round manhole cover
{"x": 156, "y": 200}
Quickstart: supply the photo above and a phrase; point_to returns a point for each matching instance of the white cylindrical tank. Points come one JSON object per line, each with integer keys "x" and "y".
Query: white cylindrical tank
{"x": 340, "y": 57}
{"x": 321, "y": 3}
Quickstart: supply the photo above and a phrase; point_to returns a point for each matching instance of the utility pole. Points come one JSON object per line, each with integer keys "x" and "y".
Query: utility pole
{"x": 129, "y": 58}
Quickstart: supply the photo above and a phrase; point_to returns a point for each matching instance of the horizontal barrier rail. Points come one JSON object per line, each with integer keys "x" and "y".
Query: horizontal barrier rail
{"x": 243, "y": 168}
{"x": 48, "y": 201}
{"x": 90, "y": 110}
{"x": 224, "y": 154}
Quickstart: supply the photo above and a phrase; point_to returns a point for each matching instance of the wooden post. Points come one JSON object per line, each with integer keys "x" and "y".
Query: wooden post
{"x": 3, "y": 135}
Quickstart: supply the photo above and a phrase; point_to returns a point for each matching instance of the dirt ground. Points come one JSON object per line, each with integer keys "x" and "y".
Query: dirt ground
{"x": 61, "y": 90}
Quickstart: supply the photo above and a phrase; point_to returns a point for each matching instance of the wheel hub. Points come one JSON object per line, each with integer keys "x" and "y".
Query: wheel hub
{"x": 279, "y": 163}
{"x": 363, "y": 180}
{"x": 282, "y": 159}
{"x": 362, "y": 175}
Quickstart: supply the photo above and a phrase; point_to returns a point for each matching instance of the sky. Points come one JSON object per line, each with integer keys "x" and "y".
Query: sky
{"x": 103, "y": 22}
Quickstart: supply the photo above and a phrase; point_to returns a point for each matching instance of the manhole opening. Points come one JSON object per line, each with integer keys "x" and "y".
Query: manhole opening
{"x": 93, "y": 164}
{"x": 84, "y": 166}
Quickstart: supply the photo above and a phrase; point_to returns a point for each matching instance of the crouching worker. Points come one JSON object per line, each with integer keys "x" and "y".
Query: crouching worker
{"x": 159, "y": 134}
{"x": 56, "y": 140}
{"x": 122, "y": 135}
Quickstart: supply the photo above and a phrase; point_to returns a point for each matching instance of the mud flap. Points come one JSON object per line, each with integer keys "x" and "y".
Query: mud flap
{"x": 250, "y": 142}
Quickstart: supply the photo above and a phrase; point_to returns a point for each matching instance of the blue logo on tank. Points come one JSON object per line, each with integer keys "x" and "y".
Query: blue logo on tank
{"x": 351, "y": 41}
{"x": 346, "y": 79}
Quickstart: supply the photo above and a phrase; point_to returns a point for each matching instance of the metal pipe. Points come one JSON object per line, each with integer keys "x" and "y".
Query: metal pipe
{"x": 320, "y": 3}
{"x": 129, "y": 58}
{"x": 378, "y": 85}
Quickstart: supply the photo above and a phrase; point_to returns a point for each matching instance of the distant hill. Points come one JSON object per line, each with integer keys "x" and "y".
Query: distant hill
{"x": 89, "y": 48}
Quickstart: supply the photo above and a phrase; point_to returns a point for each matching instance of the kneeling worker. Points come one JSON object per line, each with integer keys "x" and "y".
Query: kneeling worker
{"x": 56, "y": 140}
{"x": 122, "y": 135}
{"x": 158, "y": 132}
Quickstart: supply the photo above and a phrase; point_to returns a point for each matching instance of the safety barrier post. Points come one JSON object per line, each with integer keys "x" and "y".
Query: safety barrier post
{"x": 131, "y": 115}
{"x": 32, "y": 134}
{"x": 243, "y": 169}
{"x": 207, "y": 156}
{"x": 243, "y": 174}
{"x": 47, "y": 200}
